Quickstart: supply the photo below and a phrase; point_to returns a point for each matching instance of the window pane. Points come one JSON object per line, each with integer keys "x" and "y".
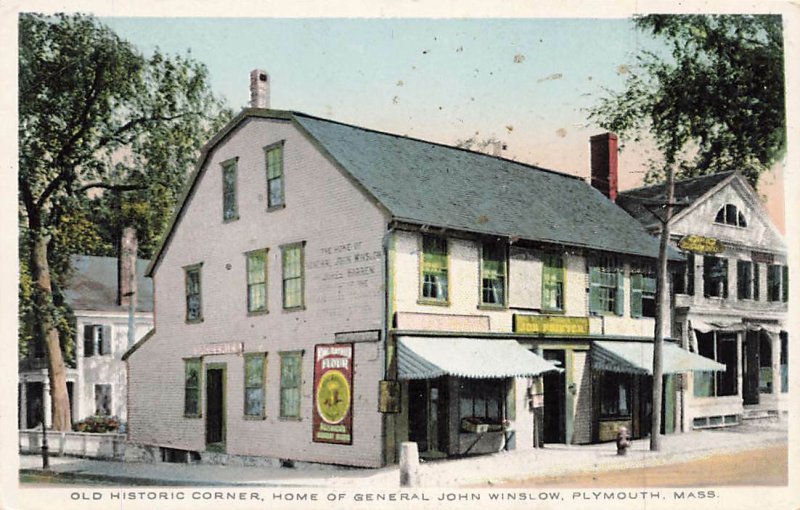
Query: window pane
{"x": 102, "y": 399}
{"x": 192, "y": 387}
{"x": 434, "y": 268}
{"x": 292, "y": 277}
{"x": 553, "y": 283}
{"x": 254, "y": 371}
{"x": 229, "y": 191}
{"x": 774, "y": 282}
{"x": 275, "y": 192}
{"x": 254, "y": 402}
{"x": 275, "y": 176}
{"x": 290, "y": 385}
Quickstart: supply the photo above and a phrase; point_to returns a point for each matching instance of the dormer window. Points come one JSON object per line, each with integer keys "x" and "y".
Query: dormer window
{"x": 729, "y": 214}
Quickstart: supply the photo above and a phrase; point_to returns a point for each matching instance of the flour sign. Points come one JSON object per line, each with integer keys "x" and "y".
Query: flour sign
{"x": 333, "y": 394}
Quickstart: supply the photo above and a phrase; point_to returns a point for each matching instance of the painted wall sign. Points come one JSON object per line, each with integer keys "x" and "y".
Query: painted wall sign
{"x": 219, "y": 348}
{"x": 551, "y": 325}
{"x": 700, "y": 244}
{"x": 333, "y": 394}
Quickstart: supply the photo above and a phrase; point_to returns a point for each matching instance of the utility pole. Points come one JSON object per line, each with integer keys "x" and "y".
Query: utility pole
{"x": 662, "y": 298}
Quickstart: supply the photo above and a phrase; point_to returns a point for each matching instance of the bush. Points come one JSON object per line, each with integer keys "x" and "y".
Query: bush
{"x": 98, "y": 424}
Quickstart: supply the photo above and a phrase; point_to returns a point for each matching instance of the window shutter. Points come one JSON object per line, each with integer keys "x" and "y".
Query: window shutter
{"x": 88, "y": 340}
{"x": 619, "y": 300}
{"x": 636, "y": 295}
{"x": 595, "y": 305}
{"x": 105, "y": 341}
{"x": 785, "y": 284}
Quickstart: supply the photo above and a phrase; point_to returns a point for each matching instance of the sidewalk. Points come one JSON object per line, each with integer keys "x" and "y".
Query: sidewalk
{"x": 552, "y": 460}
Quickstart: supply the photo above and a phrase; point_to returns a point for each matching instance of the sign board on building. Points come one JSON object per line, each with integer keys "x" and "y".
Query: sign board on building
{"x": 551, "y": 325}
{"x": 218, "y": 348}
{"x": 389, "y": 401}
{"x": 700, "y": 244}
{"x": 333, "y": 394}
{"x": 760, "y": 257}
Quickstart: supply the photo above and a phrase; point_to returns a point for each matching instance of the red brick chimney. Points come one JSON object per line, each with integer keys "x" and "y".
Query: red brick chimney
{"x": 126, "y": 266}
{"x": 604, "y": 164}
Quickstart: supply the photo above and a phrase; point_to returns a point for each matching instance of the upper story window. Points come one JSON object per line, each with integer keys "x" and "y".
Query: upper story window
{"x": 643, "y": 293}
{"x": 230, "y": 208}
{"x": 553, "y": 282}
{"x": 434, "y": 268}
{"x": 745, "y": 280}
{"x": 606, "y": 278}
{"x": 257, "y": 281}
{"x": 494, "y": 259}
{"x": 715, "y": 276}
{"x": 777, "y": 283}
{"x": 729, "y": 214}
{"x": 274, "y": 157}
{"x": 683, "y": 281}
{"x": 96, "y": 340}
{"x": 194, "y": 306}
{"x": 292, "y": 262}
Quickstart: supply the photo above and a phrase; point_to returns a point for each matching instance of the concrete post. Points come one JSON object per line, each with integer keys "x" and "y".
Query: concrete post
{"x": 409, "y": 465}
{"x": 23, "y": 405}
{"x": 776, "y": 363}
{"x": 47, "y": 407}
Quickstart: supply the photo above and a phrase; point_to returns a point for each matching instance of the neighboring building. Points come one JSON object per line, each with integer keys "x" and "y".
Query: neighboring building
{"x": 96, "y": 382}
{"x": 730, "y": 300}
{"x": 326, "y": 292}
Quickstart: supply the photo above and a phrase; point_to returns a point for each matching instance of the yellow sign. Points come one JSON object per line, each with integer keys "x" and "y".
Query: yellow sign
{"x": 700, "y": 244}
{"x": 551, "y": 325}
{"x": 333, "y": 397}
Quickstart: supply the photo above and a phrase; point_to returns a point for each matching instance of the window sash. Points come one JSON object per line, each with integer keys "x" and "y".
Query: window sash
{"x": 292, "y": 261}
{"x": 553, "y": 282}
{"x": 744, "y": 279}
{"x": 192, "y": 374}
{"x": 774, "y": 274}
{"x": 493, "y": 273}
{"x": 102, "y": 400}
{"x": 229, "y": 205}
{"x": 606, "y": 289}
{"x": 715, "y": 277}
{"x": 291, "y": 379}
{"x": 434, "y": 268}
{"x": 254, "y": 375}
{"x": 275, "y": 176}
{"x": 257, "y": 281}
{"x": 194, "y": 310}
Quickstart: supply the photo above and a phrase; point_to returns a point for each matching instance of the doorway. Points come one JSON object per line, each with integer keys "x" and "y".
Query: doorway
{"x": 427, "y": 418}
{"x": 555, "y": 383}
{"x": 215, "y": 406}
{"x": 751, "y": 361}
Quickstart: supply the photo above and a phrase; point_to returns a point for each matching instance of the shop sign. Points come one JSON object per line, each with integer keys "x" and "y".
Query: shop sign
{"x": 760, "y": 257}
{"x": 700, "y": 244}
{"x": 551, "y": 325}
{"x": 219, "y": 348}
{"x": 333, "y": 394}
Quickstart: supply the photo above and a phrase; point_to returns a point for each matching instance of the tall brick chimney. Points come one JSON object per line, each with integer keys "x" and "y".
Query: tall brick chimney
{"x": 126, "y": 267}
{"x": 604, "y": 164}
{"x": 259, "y": 89}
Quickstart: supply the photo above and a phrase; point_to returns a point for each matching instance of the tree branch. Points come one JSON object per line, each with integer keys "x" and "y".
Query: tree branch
{"x": 114, "y": 187}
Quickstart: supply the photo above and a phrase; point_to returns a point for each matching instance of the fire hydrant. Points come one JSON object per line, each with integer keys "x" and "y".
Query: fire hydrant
{"x": 623, "y": 441}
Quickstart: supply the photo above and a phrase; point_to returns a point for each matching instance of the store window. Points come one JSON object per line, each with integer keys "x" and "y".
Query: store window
{"x": 483, "y": 399}
{"x": 434, "y": 269}
{"x": 493, "y": 274}
{"x": 715, "y": 276}
{"x": 254, "y": 377}
{"x": 291, "y": 380}
{"x": 191, "y": 400}
{"x": 606, "y": 286}
{"x": 257, "y": 281}
{"x": 722, "y": 349}
{"x": 615, "y": 395}
{"x": 553, "y": 283}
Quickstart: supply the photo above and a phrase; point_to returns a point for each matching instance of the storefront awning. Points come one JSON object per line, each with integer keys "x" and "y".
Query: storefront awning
{"x": 637, "y": 358}
{"x": 431, "y": 357}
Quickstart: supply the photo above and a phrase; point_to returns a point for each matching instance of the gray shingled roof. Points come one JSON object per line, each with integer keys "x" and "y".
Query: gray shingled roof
{"x": 431, "y": 184}
{"x": 687, "y": 191}
{"x": 93, "y": 285}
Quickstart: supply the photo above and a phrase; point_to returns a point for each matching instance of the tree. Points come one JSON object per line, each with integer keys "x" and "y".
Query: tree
{"x": 713, "y": 103}
{"x": 96, "y": 118}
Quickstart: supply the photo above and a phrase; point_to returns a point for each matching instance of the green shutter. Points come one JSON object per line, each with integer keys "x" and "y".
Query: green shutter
{"x": 619, "y": 300}
{"x": 636, "y": 295}
{"x": 595, "y": 304}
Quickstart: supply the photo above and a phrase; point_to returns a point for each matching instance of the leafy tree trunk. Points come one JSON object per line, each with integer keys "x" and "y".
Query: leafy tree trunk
{"x": 47, "y": 331}
{"x": 662, "y": 299}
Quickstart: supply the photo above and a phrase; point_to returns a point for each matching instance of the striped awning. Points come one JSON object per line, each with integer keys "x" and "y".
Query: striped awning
{"x": 637, "y": 358}
{"x": 431, "y": 357}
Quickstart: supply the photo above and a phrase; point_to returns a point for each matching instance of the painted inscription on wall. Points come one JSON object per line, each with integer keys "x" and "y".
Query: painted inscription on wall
{"x": 333, "y": 394}
{"x": 346, "y": 261}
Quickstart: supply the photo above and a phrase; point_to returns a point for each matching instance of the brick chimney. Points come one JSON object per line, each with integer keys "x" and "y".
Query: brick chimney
{"x": 126, "y": 267}
{"x": 259, "y": 89}
{"x": 604, "y": 164}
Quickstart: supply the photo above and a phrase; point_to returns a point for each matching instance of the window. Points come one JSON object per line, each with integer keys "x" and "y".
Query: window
{"x": 493, "y": 274}
{"x": 291, "y": 379}
{"x": 257, "y": 281}
{"x": 254, "y": 376}
{"x": 96, "y": 340}
{"x": 744, "y": 279}
{"x": 774, "y": 277}
{"x": 720, "y": 348}
{"x": 756, "y": 281}
{"x": 785, "y": 286}
{"x": 194, "y": 308}
{"x": 615, "y": 395}
{"x": 715, "y": 277}
{"x": 229, "y": 205}
{"x": 684, "y": 281}
{"x": 274, "y": 156}
{"x": 485, "y": 399}
{"x": 102, "y": 399}
{"x": 784, "y": 360}
{"x": 643, "y": 294}
{"x": 292, "y": 259}
{"x": 730, "y": 215}
{"x": 434, "y": 268}
{"x": 605, "y": 291}
{"x": 553, "y": 282}
{"x": 191, "y": 399}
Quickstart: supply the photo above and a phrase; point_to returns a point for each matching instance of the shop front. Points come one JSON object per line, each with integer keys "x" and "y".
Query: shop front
{"x": 466, "y": 396}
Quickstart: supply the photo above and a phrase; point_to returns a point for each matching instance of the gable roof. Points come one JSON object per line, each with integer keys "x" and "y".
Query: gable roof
{"x": 93, "y": 285}
{"x": 687, "y": 193}
{"x": 426, "y": 183}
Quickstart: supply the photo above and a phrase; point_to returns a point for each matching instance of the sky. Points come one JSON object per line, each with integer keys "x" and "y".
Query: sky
{"x": 526, "y": 82}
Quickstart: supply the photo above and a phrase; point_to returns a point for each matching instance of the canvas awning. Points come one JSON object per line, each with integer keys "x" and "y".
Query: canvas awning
{"x": 431, "y": 357}
{"x": 637, "y": 358}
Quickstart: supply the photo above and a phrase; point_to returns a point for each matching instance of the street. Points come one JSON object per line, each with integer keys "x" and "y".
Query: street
{"x": 764, "y": 466}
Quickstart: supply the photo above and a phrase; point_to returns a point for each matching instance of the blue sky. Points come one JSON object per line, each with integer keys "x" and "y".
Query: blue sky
{"x": 524, "y": 81}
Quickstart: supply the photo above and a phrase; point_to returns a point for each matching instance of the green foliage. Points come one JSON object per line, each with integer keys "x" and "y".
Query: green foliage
{"x": 713, "y": 103}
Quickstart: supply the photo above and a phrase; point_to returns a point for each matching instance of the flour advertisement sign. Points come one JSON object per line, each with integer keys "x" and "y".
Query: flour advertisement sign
{"x": 333, "y": 394}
